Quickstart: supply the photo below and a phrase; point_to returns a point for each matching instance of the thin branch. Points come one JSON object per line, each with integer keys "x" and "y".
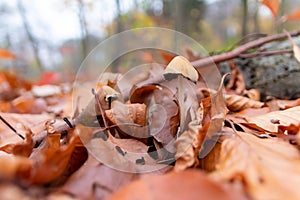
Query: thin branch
{"x": 238, "y": 51}
{"x": 11, "y": 128}
{"x": 267, "y": 53}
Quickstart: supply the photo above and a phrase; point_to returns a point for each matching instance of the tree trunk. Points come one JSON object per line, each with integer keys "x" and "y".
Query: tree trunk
{"x": 83, "y": 28}
{"x": 32, "y": 40}
{"x": 245, "y": 17}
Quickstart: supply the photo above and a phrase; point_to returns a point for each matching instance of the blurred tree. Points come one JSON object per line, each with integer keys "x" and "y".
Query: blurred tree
{"x": 185, "y": 15}
{"x": 33, "y": 41}
{"x": 83, "y": 28}
{"x": 119, "y": 22}
{"x": 245, "y": 17}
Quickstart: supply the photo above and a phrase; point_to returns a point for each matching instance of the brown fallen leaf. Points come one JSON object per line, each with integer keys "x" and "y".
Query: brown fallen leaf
{"x": 96, "y": 181}
{"x": 269, "y": 168}
{"x": 129, "y": 118}
{"x": 36, "y": 122}
{"x": 236, "y": 82}
{"x": 23, "y": 148}
{"x": 208, "y": 122}
{"x": 253, "y": 94}
{"x": 51, "y": 159}
{"x": 89, "y": 114}
{"x": 270, "y": 121}
{"x": 189, "y": 184}
{"x": 278, "y": 104}
{"x": 12, "y": 166}
{"x": 160, "y": 102}
{"x": 236, "y": 102}
{"x": 129, "y": 155}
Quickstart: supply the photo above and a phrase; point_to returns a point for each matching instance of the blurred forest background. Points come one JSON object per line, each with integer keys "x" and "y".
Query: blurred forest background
{"x": 53, "y": 35}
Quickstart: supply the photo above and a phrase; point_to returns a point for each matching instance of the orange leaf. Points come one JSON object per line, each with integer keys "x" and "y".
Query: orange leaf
{"x": 294, "y": 16}
{"x": 273, "y": 5}
{"x": 194, "y": 184}
{"x": 5, "y": 54}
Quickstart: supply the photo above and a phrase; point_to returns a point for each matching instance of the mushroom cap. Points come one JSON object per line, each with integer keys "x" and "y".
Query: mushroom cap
{"x": 181, "y": 66}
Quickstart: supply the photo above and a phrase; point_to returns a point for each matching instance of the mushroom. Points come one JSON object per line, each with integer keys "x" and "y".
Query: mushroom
{"x": 180, "y": 69}
{"x": 181, "y": 66}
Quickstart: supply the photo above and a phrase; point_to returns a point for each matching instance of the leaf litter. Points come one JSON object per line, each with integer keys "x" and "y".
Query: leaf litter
{"x": 253, "y": 154}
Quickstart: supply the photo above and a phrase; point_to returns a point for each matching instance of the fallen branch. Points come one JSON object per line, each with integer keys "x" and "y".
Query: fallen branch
{"x": 240, "y": 50}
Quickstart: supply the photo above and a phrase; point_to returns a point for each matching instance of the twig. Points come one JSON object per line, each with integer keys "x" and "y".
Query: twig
{"x": 11, "y": 128}
{"x": 267, "y": 53}
{"x": 238, "y": 51}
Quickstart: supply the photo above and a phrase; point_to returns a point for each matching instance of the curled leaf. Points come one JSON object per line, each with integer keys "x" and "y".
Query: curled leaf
{"x": 237, "y": 102}
{"x": 130, "y": 118}
{"x": 208, "y": 122}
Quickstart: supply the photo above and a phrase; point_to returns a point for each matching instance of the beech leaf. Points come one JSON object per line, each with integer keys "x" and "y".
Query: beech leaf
{"x": 264, "y": 165}
{"x": 193, "y": 185}
{"x": 236, "y": 102}
{"x": 270, "y": 121}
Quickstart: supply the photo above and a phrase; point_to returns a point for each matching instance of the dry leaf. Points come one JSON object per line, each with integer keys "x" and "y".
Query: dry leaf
{"x": 130, "y": 119}
{"x": 270, "y": 121}
{"x": 269, "y": 168}
{"x": 96, "y": 181}
{"x": 12, "y": 166}
{"x": 273, "y": 5}
{"x": 5, "y": 54}
{"x": 190, "y": 184}
{"x": 88, "y": 116}
{"x": 51, "y": 160}
{"x": 208, "y": 122}
{"x": 293, "y": 16}
{"x": 160, "y": 102}
{"x": 236, "y": 102}
{"x": 35, "y": 122}
{"x": 236, "y": 82}
{"x": 23, "y": 148}
{"x": 253, "y": 94}
{"x": 121, "y": 154}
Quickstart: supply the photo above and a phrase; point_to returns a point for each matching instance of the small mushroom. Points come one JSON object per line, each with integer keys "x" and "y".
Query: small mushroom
{"x": 181, "y": 66}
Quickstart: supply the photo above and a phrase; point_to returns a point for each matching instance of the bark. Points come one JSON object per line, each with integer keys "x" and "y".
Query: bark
{"x": 277, "y": 75}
